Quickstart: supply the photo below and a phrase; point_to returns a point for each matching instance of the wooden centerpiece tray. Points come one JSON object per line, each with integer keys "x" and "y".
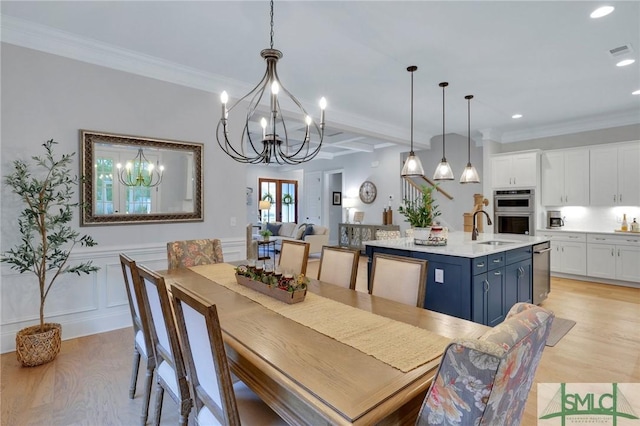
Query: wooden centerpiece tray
{"x": 282, "y": 295}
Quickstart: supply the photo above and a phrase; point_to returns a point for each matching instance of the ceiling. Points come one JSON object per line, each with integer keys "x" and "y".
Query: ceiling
{"x": 547, "y": 60}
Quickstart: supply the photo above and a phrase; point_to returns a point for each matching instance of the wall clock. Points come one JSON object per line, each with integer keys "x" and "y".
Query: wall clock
{"x": 368, "y": 192}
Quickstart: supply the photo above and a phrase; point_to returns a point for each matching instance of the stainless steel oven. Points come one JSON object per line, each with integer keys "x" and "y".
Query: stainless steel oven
{"x": 514, "y": 211}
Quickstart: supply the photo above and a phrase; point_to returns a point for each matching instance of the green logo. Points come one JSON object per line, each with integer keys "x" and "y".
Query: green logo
{"x": 566, "y": 404}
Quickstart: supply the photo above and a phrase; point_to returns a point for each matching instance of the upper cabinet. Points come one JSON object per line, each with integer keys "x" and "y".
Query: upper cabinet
{"x": 615, "y": 175}
{"x": 565, "y": 178}
{"x": 517, "y": 170}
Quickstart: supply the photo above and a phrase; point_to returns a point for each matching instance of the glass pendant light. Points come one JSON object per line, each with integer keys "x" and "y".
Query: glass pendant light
{"x": 443, "y": 171}
{"x": 469, "y": 174}
{"x": 413, "y": 165}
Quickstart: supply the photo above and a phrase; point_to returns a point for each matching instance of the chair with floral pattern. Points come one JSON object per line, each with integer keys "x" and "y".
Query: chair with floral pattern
{"x": 187, "y": 253}
{"x": 487, "y": 381}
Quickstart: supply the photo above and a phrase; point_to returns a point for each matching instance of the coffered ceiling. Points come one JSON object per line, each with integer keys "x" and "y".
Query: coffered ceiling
{"x": 547, "y": 60}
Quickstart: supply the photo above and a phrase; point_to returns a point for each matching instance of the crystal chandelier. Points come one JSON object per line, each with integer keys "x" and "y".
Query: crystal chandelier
{"x": 140, "y": 172}
{"x": 274, "y": 144}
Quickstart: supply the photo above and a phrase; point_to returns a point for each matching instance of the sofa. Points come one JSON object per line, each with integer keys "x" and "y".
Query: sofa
{"x": 316, "y": 235}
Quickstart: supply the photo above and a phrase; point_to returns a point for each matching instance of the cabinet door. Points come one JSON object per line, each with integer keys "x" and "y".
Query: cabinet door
{"x": 574, "y": 258}
{"x": 603, "y": 183}
{"x": 576, "y": 178}
{"x": 628, "y": 263}
{"x": 501, "y": 171}
{"x": 629, "y": 175}
{"x": 553, "y": 178}
{"x": 556, "y": 257}
{"x": 495, "y": 297}
{"x": 479, "y": 299}
{"x": 525, "y": 282}
{"x": 601, "y": 260}
{"x": 524, "y": 169}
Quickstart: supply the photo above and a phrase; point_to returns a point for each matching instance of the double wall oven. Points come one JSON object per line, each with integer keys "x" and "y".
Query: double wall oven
{"x": 514, "y": 211}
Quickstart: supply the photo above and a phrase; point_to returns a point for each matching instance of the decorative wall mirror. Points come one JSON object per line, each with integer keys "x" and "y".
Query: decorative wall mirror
{"x": 129, "y": 179}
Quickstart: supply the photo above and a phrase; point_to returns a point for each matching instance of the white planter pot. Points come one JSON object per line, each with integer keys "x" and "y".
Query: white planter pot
{"x": 421, "y": 236}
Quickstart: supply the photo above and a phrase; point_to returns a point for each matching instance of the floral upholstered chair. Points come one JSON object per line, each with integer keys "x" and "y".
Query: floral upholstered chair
{"x": 187, "y": 253}
{"x": 487, "y": 381}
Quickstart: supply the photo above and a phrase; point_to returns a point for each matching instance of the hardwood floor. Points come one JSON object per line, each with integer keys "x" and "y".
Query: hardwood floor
{"x": 88, "y": 383}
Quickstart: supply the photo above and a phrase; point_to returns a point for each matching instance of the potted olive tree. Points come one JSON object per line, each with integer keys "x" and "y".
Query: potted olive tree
{"x": 46, "y": 187}
{"x": 421, "y": 213}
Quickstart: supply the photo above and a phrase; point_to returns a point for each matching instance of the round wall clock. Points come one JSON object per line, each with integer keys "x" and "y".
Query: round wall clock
{"x": 368, "y": 192}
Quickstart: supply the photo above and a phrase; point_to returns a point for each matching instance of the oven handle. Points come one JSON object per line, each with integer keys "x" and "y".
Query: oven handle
{"x": 542, "y": 251}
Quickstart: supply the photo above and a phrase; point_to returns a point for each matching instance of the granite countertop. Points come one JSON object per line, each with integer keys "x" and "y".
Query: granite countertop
{"x": 460, "y": 244}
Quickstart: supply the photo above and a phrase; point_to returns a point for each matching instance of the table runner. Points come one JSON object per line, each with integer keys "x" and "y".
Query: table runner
{"x": 400, "y": 345}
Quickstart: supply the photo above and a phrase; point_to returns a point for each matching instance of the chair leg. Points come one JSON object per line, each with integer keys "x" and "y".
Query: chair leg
{"x": 148, "y": 382}
{"x": 134, "y": 371}
{"x": 158, "y": 407}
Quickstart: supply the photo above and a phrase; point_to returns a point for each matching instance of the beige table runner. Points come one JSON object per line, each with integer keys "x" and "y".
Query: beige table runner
{"x": 400, "y": 345}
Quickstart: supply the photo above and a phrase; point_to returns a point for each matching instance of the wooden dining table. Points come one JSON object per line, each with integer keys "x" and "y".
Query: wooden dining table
{"x": 309, "y": 378}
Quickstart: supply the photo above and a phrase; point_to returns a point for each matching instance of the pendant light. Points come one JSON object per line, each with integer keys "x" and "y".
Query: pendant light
{"x": 443, "y": 171}
{"x": 413, "y": 165}
{"x": 469, "y": 174}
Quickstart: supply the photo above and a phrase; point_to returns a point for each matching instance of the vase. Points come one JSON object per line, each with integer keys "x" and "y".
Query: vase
{"x": 421, "y": 236}
{"x": 35, "y": 347}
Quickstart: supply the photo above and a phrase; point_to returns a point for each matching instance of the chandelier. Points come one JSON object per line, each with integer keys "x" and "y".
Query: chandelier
{"x": 140, "y": 172}
{"x": 276, "y": 142}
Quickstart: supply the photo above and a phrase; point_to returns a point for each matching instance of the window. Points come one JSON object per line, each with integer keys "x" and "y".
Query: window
{"x": 283, "y": 195}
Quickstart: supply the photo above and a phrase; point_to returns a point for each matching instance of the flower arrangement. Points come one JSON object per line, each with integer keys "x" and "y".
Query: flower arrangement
{"x": 274, "y": 279}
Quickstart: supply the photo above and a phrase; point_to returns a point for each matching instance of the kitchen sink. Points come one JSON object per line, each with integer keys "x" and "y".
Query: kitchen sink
{"x": 495, "y": 243}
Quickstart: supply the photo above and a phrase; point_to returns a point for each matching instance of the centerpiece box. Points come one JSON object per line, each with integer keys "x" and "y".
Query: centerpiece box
{"x": 288, "y": 291}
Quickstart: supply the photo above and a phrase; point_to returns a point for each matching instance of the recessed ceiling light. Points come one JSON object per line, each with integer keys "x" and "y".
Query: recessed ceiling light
{"x": 601, "y": 11}
{"x": 637, "y": 92}
{"x": 625, "y": 62}
{"x": 516, "y": 116}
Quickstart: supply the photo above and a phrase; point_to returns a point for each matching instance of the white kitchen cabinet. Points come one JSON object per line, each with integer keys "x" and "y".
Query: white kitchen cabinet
{"x": 565, "y": 178}
{"x": 615, "y": 175}
{"x": 614, "y": 256}
{"x": 568, "y": 252}
{"x": 515, "y": 170}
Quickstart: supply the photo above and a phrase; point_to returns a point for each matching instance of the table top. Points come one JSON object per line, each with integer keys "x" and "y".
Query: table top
{"x": 323, "y": 380}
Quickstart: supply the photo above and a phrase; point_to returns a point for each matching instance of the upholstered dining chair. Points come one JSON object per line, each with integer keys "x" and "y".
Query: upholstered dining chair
{"x": 252, "y": 245}
{"x": 339, "y": 266}
{"x": 217, "y": 400}
{"x": 171, "y": 375}
{"x": 187, "y": 253}
{"x": 294, "y": 256}
{"x": 142, "y": 344}
{"x": 403, "y": 279}
{"x": 486, "y": 381}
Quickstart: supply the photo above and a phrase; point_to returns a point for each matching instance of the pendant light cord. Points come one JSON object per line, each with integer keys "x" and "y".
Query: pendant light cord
{"x": 443, "y": 85}
{"x": 271, "y": 34}
{"x": 469, "y": 130}
{"x": 411, "y": 110}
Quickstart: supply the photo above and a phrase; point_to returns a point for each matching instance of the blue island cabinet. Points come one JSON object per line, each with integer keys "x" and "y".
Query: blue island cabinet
{"x": 480, "y": 289}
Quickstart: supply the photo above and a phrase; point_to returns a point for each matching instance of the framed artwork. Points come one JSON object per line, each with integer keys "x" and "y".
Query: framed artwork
{"x": 337, "y": 198}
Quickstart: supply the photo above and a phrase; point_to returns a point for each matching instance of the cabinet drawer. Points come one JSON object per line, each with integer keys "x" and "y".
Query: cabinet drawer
{"x": 518, "y": 255}
{"x": 479, "y": 265}
{"x": 495, "y": 260}
{"x": 624, "y": 239}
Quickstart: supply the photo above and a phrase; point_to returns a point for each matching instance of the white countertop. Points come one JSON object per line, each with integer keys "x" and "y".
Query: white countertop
{"x": 583, "y": 231}
{"x": 460, "y": 244}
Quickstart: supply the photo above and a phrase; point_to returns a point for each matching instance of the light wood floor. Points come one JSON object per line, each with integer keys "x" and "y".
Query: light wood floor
{"x": 88, "y": 383}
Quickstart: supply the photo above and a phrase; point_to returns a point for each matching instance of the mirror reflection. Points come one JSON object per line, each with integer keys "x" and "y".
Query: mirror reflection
{"x": 132, "y": 179}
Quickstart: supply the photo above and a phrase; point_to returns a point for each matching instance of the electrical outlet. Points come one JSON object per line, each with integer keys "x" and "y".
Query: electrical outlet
{"x": 232, "y": 221}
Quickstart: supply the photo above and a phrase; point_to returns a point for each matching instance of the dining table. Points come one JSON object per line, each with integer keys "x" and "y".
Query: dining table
{"x": 309, "y": 377}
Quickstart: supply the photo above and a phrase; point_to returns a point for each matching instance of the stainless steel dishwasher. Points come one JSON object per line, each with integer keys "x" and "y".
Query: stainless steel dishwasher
{"x": 541, "y": 272}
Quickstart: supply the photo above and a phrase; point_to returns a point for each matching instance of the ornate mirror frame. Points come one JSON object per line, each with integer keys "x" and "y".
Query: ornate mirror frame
{"x": 91, "y": 140}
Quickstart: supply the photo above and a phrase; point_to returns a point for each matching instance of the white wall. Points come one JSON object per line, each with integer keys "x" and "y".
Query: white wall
{"x": 46, "y": 96}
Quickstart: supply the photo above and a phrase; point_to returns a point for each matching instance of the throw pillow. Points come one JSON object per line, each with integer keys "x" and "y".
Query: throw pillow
{"x": 273, "y": 228}
{"x": 300, "y": 231}
{"x": 308, "y": 230}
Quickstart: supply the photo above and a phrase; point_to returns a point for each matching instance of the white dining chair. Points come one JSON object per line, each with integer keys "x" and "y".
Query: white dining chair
{"x": 142, "y": 345}
{"x": 217, "y": 400}
{"x": 294, "y": 256}
{"x": 402, "y": 279}
{"x": 171, "y": 375}
{"x": 339, "y": 266}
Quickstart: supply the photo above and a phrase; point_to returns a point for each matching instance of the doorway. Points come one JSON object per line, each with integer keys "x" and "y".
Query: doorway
{"x": 333, "y": 211}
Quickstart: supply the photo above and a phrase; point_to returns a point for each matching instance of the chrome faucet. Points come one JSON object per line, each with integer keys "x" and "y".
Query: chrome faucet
{"x": 474, "y": 233}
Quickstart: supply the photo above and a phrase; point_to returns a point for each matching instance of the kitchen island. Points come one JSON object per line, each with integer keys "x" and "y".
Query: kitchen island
{"x": 474, "y": 280}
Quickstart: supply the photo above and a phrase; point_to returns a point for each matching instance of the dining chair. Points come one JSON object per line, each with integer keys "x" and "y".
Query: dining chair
{"x": 170, "y": 374}
{"x": 486, "y": 381}
{"x": 339, "y": 266}
{"x": 187, "y": 253}
{"x": 142, "y": 345}
{"x": 399, "y": 278}
{"x": 252, "y": 245}
{"x": 294, "y": 256}
{"x": 217, "y": 400}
